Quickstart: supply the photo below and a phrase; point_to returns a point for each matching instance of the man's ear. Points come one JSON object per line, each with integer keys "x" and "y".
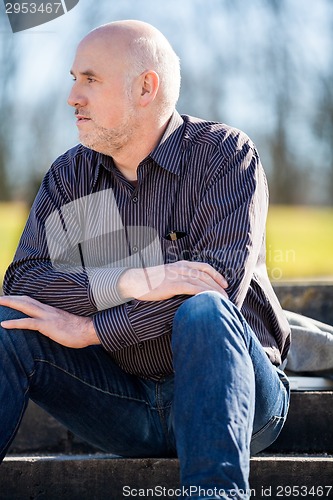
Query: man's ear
{"x": 150, "y": 83}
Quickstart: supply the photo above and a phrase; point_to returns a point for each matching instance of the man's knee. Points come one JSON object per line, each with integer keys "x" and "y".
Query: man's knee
{"x": 203, "y": 318}
{"x": 8, "y": 313}
{"x": 13, "y": 338}
{"x": 203, "y": 307}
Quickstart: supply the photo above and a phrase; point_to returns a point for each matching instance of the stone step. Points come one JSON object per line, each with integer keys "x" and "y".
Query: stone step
{"x": 314, "y": 300}
{"x": 309, "y": 425}
{"x": 309, "y": 429}
{"x": 102, "y": 477}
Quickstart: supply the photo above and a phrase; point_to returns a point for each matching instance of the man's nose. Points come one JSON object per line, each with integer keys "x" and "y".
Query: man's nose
{"x": 75, "y": 98}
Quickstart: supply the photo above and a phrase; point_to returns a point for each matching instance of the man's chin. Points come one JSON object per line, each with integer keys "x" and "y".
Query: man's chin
{"x": 85, "y": 141}
{"x": 94, "y": 147}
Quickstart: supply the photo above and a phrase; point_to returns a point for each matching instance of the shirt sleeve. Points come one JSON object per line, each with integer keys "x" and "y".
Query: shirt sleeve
{"x": 135, "y": 322}
{"x": 235, "y": 204}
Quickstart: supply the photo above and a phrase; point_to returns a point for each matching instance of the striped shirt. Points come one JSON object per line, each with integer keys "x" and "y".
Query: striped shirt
{"x": 203, "y": 183}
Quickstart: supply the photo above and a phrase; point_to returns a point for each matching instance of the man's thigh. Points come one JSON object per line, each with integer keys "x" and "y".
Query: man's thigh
{"x": 86, "y": 391}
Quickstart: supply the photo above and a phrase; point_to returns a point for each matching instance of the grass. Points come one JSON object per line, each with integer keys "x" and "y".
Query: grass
{"x": 300, "y": 243}
{"x": 299, "y": 240}
{"x": 12, "y": 220}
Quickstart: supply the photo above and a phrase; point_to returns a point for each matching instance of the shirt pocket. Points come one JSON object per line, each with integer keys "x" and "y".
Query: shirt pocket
{"x": 175, "y": 250}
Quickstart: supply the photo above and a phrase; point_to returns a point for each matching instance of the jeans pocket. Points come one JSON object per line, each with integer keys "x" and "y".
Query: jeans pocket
{"x": 267, "y": 434}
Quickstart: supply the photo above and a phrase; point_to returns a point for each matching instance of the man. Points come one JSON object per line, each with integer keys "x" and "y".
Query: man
{"x": 138, "y": 308}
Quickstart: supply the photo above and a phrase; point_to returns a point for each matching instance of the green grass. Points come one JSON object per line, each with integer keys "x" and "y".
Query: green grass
{"x": 299, "y": 240}
{"x": 12, "y": 220}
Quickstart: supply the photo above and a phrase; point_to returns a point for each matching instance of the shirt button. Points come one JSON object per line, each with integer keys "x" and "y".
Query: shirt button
{"x": 134, "y": 249}
{"x": 135, "y": 199}
{"x": 140, "y": 345}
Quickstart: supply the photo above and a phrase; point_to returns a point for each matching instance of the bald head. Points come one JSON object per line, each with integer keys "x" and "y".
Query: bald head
{"x": 141, "y": 47}
{"x": 127, "y": 31}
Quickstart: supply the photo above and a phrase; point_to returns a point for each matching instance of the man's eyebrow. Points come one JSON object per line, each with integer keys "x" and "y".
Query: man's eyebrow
{"x": 88, "y": 72}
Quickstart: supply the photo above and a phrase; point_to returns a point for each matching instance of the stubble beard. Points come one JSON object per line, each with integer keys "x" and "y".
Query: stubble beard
{"x": 111, "y": 141}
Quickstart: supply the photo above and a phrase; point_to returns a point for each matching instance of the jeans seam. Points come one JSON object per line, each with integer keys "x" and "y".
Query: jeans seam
{"x": 90, "y": 385}
{"x": 161, "y": 412}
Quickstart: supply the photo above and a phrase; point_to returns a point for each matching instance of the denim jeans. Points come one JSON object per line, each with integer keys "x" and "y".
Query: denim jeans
{"x": 224, "y": 401}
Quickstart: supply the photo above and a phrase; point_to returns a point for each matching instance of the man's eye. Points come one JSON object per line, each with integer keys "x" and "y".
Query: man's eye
{"x": 91, "y": 80}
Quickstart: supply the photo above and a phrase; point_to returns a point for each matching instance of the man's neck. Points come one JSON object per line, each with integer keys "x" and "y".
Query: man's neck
{"x": 128, "y": 158}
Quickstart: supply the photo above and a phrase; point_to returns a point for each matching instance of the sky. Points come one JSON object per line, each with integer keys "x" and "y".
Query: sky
{"x": 198, "y": 29}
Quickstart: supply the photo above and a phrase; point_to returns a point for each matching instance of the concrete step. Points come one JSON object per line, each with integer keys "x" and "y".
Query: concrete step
{"x": 102, "y": 477}
{"x": 309, "y": 429}
{"x": 311, "y": 299}
{"x": 309, "y": 425}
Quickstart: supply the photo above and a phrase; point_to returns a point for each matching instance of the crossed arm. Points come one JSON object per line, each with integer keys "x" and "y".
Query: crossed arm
{"x": 71, "y": 330}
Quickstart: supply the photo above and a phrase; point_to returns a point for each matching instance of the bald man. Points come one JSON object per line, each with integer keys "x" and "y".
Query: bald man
{"x": 137, "y": 309}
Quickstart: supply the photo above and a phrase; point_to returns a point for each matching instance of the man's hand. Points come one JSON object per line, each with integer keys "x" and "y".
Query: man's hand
{"x": 63, "y": 327}
{"x": 166, "y": 281}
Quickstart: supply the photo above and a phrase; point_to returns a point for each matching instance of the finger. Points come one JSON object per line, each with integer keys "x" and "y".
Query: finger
{"x": 198, "y": 273}
{"x": 200, "y": 279}
{"x": 215, "y": 275}
{"x": 190, "y": 280}
{"x": 208, "y": 284}
{"x": 194, "y": 289}
{"x": 209, "y": 270}
{"x": 22, "y": 303}
{"x": 22, "y": 324}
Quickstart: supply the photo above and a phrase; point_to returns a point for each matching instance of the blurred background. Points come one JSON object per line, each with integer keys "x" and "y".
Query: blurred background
{"x": 264, "y": 66}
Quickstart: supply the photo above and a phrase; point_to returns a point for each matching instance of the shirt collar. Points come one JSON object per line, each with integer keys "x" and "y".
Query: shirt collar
{"x": 167, "y": 154}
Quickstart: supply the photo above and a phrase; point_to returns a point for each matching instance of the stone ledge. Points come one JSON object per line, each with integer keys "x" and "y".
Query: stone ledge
{"x": 311, "y": 299}
{"x": 104, "y": 477}
{"x": 308, "y": 429}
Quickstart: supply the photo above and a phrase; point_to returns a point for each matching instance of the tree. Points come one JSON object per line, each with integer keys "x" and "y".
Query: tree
{"x": 323, "y": 117}
{"x": 8, "y": 64}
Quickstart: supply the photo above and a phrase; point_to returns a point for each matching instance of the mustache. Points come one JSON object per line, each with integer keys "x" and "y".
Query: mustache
{"x": 78, "y": 112}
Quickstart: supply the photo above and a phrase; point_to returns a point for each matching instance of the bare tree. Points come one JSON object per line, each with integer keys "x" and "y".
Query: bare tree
{"x": 323, "y": 117}
{"x": 8, "y": 64}
{"x": 280, "y": 80}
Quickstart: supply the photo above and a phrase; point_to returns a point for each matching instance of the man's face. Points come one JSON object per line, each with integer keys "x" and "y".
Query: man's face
{"x": 106, "y": 116}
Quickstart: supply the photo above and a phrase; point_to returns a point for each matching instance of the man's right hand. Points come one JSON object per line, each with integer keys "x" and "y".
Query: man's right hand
{"x": 166, "y": 281}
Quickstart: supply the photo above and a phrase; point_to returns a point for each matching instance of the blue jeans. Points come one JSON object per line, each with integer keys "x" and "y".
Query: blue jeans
{"x": 225, "y": 400}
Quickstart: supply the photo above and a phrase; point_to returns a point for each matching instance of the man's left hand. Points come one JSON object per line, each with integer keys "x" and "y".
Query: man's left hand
{"x": 61, "y": 326}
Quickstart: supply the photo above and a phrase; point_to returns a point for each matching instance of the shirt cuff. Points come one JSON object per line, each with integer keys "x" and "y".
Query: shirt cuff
{"x": 103, "y": 287}
{"x": 114, "y": 329}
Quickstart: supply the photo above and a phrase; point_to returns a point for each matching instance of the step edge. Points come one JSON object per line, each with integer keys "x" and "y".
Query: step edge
{"x": 299, "y": 457}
